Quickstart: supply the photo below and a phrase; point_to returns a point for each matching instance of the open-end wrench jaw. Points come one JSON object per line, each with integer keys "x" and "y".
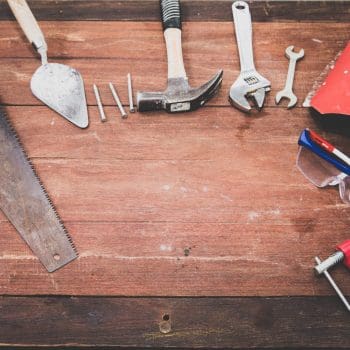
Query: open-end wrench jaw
{"x": 288, "y": 95}
{"x": 290, "y": 53}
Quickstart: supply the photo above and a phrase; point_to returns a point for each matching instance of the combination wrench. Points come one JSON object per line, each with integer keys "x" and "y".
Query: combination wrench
{"x": 287, "y": 91}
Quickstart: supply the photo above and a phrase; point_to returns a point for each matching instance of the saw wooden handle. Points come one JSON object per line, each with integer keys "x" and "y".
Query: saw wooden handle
{"x": 28, "y": 23}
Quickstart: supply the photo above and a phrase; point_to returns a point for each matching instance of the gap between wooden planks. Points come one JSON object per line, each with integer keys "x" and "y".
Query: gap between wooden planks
{"x": 192, "y": 10}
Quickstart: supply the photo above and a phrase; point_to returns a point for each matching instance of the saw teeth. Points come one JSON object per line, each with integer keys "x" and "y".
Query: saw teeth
{"x": 20, "y": 145}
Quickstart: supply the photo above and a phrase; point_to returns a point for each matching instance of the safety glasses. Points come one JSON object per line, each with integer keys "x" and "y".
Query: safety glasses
{"x": 323, "y": 164}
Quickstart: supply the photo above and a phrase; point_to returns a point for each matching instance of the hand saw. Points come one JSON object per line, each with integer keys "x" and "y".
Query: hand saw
{"x": 26, "y": 204}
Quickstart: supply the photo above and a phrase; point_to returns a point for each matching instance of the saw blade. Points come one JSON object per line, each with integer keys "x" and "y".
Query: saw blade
{"x": 26, "y": 204}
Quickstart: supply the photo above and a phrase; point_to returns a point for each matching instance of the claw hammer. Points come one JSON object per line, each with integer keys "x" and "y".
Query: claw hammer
{"x": 179, "y": 96}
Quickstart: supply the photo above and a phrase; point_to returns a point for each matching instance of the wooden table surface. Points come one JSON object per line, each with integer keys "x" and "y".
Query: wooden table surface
{"x": 194, "y": 230}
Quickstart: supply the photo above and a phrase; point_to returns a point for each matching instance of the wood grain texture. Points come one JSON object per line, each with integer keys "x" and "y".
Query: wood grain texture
{"x": 137, "y": 194}
{"x": 101, "y": 52}
{"x": 142, "y": 199}
{"x": 147, "y": 259}
{"x": 204, "y": 204}
{"x": 240, "y": 323}
{"x": 198, "y": 10}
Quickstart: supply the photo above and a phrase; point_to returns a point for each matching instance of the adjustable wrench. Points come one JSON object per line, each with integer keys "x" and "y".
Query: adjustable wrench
{"x": 287, "y": 92}
{"x": 249, "y": 84}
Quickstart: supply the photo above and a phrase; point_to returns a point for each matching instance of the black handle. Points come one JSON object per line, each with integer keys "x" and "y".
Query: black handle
{"x": 171, "y": 15}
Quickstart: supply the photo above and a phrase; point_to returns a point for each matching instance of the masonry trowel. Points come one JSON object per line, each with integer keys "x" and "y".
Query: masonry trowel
{"x": 57, "y": 85}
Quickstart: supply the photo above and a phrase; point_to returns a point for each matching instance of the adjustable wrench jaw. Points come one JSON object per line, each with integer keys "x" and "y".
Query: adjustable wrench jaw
{"x": 250, "y": 86}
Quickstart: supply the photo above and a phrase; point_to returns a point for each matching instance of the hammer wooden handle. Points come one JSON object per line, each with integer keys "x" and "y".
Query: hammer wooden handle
{"x": 28, "y": 23}
{"x": 176, "y": 68}
{"x": 171, "y": 18}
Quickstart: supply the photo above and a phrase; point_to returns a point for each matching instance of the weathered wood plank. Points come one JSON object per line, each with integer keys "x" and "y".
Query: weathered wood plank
{"x": 193, "y": 10}
{"x": 185, "y": 191}
{"x": 214, "y": 41}
{"x": 102, "y": 53}
{"x": 199, "y": 205}
{"x": 216, "y": 133}
{"x": 193, "y": 323}
{"x": 156, "y": 171}
{"x": 135, "y": 194}
{"x": 257, "y": 257}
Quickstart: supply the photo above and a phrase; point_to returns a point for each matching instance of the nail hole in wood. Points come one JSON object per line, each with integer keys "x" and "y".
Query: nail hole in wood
{"x": 165, "y": 324}
{"x": 187, "y": 251}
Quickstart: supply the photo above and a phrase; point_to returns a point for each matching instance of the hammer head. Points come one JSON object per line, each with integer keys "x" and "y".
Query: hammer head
{"x": 179, "y": 96}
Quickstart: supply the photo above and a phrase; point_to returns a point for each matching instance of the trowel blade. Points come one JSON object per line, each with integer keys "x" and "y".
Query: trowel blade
{"x": 62, "y": 88}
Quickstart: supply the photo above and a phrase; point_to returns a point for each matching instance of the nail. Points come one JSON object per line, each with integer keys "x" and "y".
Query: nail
{"x": 99, "y": 104}
{"x": 117, "y": 100}
{"x": 131, "y": 102}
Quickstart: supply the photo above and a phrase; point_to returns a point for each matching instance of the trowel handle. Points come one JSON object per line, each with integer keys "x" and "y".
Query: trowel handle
{"x": 171, "y": 18}
{"x": 28, "y": 23}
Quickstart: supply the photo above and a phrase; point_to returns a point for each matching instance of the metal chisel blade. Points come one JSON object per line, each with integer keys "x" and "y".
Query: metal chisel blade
{"x": 26, "y": 204}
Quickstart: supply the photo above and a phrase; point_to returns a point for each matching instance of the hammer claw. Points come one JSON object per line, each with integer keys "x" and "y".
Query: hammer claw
{"x": 208, "y": 90}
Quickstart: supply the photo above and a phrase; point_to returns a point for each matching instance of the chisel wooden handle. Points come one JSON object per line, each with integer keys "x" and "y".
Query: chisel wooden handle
{"x": 171, "y": 18}
{"x": 28, "y": 23}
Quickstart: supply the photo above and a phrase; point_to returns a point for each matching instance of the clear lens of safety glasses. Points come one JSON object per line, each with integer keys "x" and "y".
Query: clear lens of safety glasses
{"x": 344, "y": 190}
{"x": 317, "y": 170}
